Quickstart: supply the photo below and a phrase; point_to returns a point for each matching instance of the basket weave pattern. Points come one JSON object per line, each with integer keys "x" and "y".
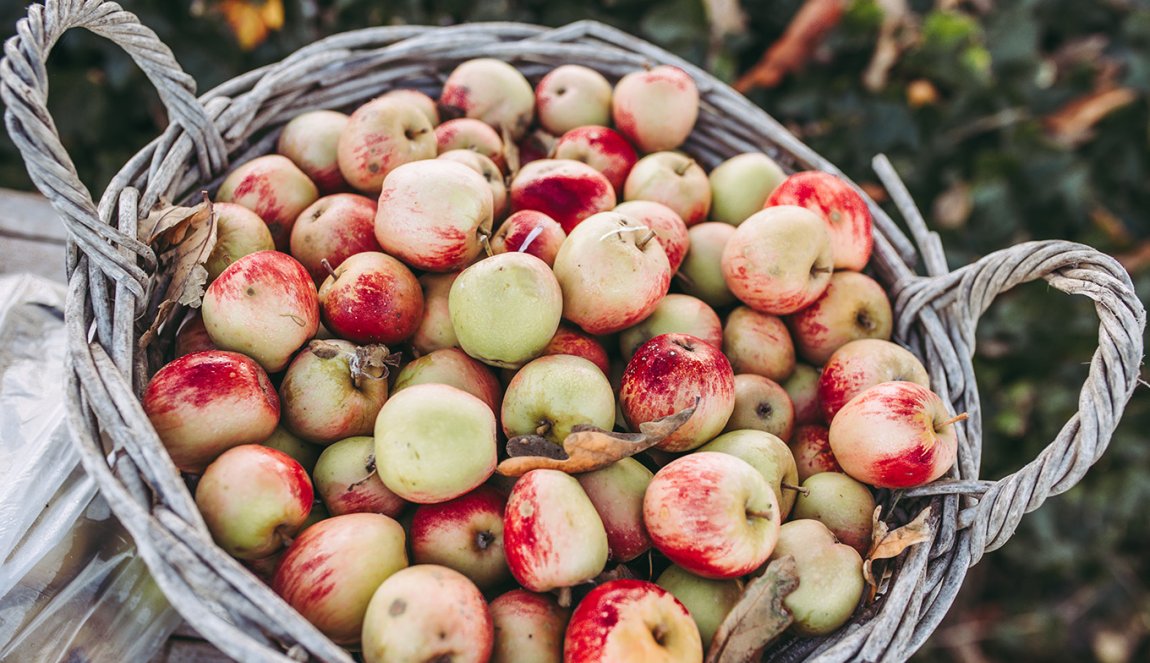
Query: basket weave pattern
{"x": 112, "y": 293}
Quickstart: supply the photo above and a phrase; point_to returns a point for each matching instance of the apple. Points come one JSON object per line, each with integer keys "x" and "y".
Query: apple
{"x": 346, "y": 480}
{"x": 333, "y": 228}
{"x": 758, "y": 343}
{"x": 570, "y": 341}
{"x": 305, "y": 453}
{"x": 706, "y": 599}
{"x": 528, "y": 627}
{"x": 311, "y": 140}
{"x": 272, "y": 187}
{"x": 239, "y": 231}
{"x": 434, "y": 442}
{"x": 534, "y": 146}
{"x": 612, "y": 273}
{"x": 740, "y": 186}
{"x": 331, "y": 572}
{"x": 712, "y": 514}
{"x": 761, "y": 404}
{"x": 895, "y": 435}
{"x": 192, "y": 336}
{"x": 490, "y": 172}
{"x": 666, "y": 375}
{"x": 679, "y": 314}
{"x": 264, "y": 305}
{"x": 466, "y": 133}
{"x": 551, "y": 394}
{"x": 830, "y": 577}
{"x": 427, "y": 613}
{"x": 325, "y": 398}
{"x": 453, "y": 367}
{"x": 381, "y": 135}
{"x": 844, "y": 505}
{"x": 768, "y": 454}
{"x": 667, "y": 224}
{"x": 205, "y": 403}
{"x": 811, "y": 447}
{"x": 656, "y": 108}
{"x": 617, "y": 493}
{"x": 435, "y": 331}
{"x": 568, "y": 191}
{"x": 673, "y": 179}
{"x": 432, "y": 214}
{"x": 529, "y": 231}
{"x": 605, "y": 150}
{"x": 701, "y": 272}
{"x": 572, "y": 96}
{"x": 629, "y": 620}
{"x": 371, "y": 298}
{"x": 505, "y": 308}
{"x": 803, "y": 388}
{"x": 552, "y": 534}
{"x": 853, "y": 306}
{"x": 424, "y": 103}
{"x": 465, "y": 534}
{"x": 493, "y": 91}
{"x": 842, "y": 209}
{"x": 859, "y": 365}
{"x": 253, "y": 499}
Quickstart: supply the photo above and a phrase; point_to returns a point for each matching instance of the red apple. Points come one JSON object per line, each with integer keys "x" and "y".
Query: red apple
{"x": 853, "y": 306}
{"x": 326, "y": 397}
{"x": 603, "y": 149}
{"x": 840, "y": 206}
{"x": 761, "y": 404}
{"x": 617, "y": 493}
{"x": 453, "y": 367}
{"x": 465, "y": 534}
{"x": 570, "y": 341}
{"x": 667, "y": 224}
{"x": 861, "y": 364}
{"x": 528, "y": 627}
{"x": 493, "y": 91}
{"x": 333, "y": 228}
{"x": 347, "y": 482}
{"x": 628, "y": 620}
{"x": 673, "y": 179}
{"x": 371, "y": 298}
{"x": 273, "y": 187}
{"x": 564, "y": 189}
{"x": 435, "y": 331}
{"x": 192, "y": 336}
{"x": 811, "y": 448}
{"x": 529, "y": 231}
{"x": 380, "y": 136}
{"x": 466, "y": 133}
{"x": 656, "y": 108}
{"x": 310, "y": 140}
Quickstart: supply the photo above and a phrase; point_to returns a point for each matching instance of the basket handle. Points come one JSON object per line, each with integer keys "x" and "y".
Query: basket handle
{"x": 24, "y": 89}
{"x": 963, "y": 295}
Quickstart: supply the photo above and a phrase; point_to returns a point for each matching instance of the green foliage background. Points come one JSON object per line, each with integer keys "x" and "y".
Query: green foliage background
{"x": 1074, "y": 583}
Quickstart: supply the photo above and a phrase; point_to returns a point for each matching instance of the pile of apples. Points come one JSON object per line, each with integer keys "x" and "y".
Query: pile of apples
{"x": 401, "y": 290}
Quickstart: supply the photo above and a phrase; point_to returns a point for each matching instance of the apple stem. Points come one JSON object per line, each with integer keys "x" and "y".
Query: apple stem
{"x": 642, "y": 242}
{"x": 564, "y": 597}
{"x": 822, "y": 270}
{"x": 953, "y": 420}
{"x": 543, "y": 428}
{"x": 485, "y": 240}
{"x": 327, "y": 266}
{"x": 681, "y": 170}
{"x": 806, "y": 492}
{"x": 759, "y": 514}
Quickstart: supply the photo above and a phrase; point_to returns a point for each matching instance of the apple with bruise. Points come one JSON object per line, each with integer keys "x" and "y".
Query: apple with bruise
{"x": 741, "y": 185}
{"x": 432, "y": 215}
{"x": 427, "y": 613}
{"x": 330, "y": 573}
{"x": 530, "y": 231}
{"x": 490, "y": 172}
{"x": 612, "y": 272}
{"x": 528, "y": 627}
{"x": 324, "y": 398}
{"x": 264, "y": 305}
{"x": 205, "y": 403}
{"x": 859, "y": 365}
{"x": 841, "y": 208}
{"x": 253, "y": 499}
{"x": 239, "y": 231}
{"x": 493, "y": 91}
{"x": 768, "y": 454}
{"x": 844, "y": 505}
{"x": 605, "y": 150}
{"x": 667, "y": 224}
{"x": 811, "y": 448}
{"x": 629, "y": 620}
{"x": 656, "y": 108}
{"x": 617, "y": 493}
{"x": 346, "y": 480}
{"x": 761, "y": 404}
{"x": 706, "y": 599}
{"x": 758, "y": 343}
{"x": 830, "y": 577}
{"x": 570, "y": 341}
{"x": 435, "y": 331}
{"x": 568, "y": 191}
{"x": 272, "y": 187}
{"x": 552, "y": 394}
{"x": 311, "y": 141}
{"x": 713, "y": 514}
{"x": 673, "y": 179}
{"x": 552, "y": 535}
{"x": 333, "y": 228}
{"x": 701, "y": 272}
{"x": 434, "y": 442}
{"x": 424, "y": 103}
{"x": 895, "y": 435}
{"x": 675, "y": 314}
{"x": 803, "y": 388}
{"x": 465, "y": 534}
{"x": 453, "y": 367}
{"x": 380, "y": 136}
{"x": 853, "y": 306}
{"x": 371, "y": 298}
{"x": 466, "y": 133}
{"x": 666, "y": 375}
{"x": 572, "y": 96}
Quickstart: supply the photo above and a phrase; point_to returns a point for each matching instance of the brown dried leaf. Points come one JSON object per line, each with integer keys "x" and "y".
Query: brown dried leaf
{"x": 1072, "y": 124}
{"x": 183, "y": 238}
{"x": 887, "y": 543}
{"x": 589, "y": 448}
{"x": 534, "y": 445}
{"x": 758, "y": 618}
{"x": 811, "y": 24}
{"x": 898, "y": 31}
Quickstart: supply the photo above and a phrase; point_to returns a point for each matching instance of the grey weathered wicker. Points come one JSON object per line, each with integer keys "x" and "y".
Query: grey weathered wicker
{"x": 112, "y": 272}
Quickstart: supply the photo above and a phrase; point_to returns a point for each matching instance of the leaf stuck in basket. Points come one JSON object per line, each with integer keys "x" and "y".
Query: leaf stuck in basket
{"x": 887, "y": 543}
{"x": 759, "y": 616}
{"x": 184, "y": 238}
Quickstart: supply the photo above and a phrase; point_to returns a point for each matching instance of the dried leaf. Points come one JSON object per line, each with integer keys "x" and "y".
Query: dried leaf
{"x": 887, "y": 543}
{"x": 811, "y": 24}
{"x": 589, "y": 448}
{"x": 251, "y": 21}
{"x": 1071, "y": 125}
{"x": 758, "y": 618}
{"x": 183, "y": 238}
{"x": 898, "y": 31}
{"x": 725, "y": 17}
{"x": 620, "y": 572}
{"x": 534, "y": 445}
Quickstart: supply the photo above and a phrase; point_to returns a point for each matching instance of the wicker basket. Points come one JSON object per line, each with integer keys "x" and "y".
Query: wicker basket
{"x": 111, "y": 275}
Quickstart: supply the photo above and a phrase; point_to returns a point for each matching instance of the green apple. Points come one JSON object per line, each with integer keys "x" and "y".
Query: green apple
{"x": 740, "y": 185}
{"x": 708, "y": 600}
{"x": 452, "y": 366}
{"x": 701, "y": 272}
{"x": 552, "y": 394}
{"x": 761, "y": 404}
{"x": 617, "y": 493}
{"x": 830, "y": 577}
{"x": 676, "y": 313}
{"x": 844, "y": 505}
{"x": 767, "y": 454}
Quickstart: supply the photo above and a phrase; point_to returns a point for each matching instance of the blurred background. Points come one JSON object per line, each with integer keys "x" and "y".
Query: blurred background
{"x": 1009, "y": 120}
